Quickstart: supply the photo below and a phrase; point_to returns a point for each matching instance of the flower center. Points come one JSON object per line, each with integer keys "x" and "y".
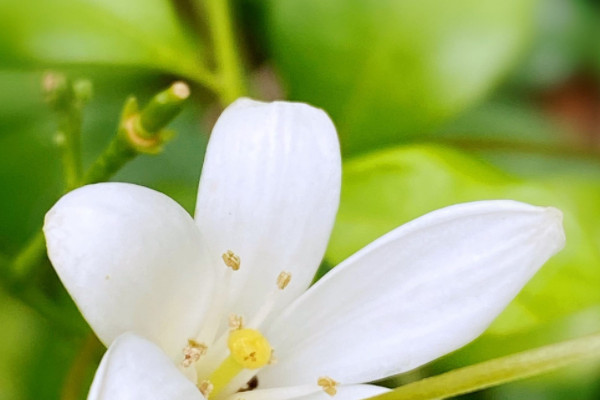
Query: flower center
{"x": 221, "y": 363}
{"x": 249, "y": 348}
{"x": 217, "y": 363}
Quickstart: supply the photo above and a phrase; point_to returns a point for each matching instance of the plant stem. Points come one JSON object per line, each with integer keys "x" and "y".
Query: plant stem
{"x": 112, "y": 159}
{"x": 31, "y": 255}
{"x": 133, "y": 137}
{"x": 69, "y": 126}
{"x": 229, "y": 66}
{"x": 498, "y": 371}
{"x": 67, "y": 99}
{"x": 163, "y": 107}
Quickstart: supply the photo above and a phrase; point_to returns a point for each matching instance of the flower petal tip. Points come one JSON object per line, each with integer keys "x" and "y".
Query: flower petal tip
{"x": 556, "y": 230}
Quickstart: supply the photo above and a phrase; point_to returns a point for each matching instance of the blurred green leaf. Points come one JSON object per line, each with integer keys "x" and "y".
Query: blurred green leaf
{"x": 520, "y": 138}
{"x": 563, "y": 40}
{"x": 30, "y": 173}
{"x": 17, "y": 345}
{"x": 385, "y": 189}
{"x": 389, "y": 69}
{"x": 61, "y": 32}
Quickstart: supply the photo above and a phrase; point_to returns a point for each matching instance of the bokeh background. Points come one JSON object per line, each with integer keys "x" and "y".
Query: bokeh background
{"x": 436, "y": 102}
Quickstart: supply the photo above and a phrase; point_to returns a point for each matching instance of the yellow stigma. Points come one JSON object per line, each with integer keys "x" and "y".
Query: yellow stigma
{"x": 249, "y": 348}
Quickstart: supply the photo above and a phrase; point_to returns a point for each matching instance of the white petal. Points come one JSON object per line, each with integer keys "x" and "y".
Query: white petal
{"x": 417, "y": 293}
{"x": 348, "y": 392}
{"x": 269, "y": 192}
{"x": 134, "y": 368}
{"x": 131, "y": 258}
{"x": 311, "y": 392}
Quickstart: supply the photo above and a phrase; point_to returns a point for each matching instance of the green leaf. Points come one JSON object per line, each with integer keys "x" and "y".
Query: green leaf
{"x": 385, "y": 189}
{"x": 20, "y": 329}
{"x": 142, "y": 33}
{"x": 564, "y": 38}
{"x": 389, "y": 69}
{"x": 498, "y": 371}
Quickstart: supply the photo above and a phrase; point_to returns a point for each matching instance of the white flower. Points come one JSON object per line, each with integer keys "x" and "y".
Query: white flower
{"x": 159, "y": 287}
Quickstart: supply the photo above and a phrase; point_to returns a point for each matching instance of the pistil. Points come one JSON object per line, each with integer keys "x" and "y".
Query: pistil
{"x": 249, "y": 349}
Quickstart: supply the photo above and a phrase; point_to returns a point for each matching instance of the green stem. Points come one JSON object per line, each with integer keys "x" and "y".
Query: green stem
{"x": 229, "y": 66}
{"x": 199, "y": 73}
{"x": 69, "y": 125}
{"x": 113, "y": 158}
{"x": 495, "y": 372}
{"x": 31, "y": 255}
{"x": 134, "y": 136}
{"x": 162, "y": 108}
{"x": 67, "y": 99}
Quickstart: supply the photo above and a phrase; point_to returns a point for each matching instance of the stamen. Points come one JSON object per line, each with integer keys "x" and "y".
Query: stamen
{"x": 231, "y": 260}
{"x": 283, "y": 280}
{"x": 235, "y": 322}
{"x": 192, "y": 352}
{"x": 214, "y": 317}
{"x": 206, "y": 388}
{"x": 329, "y": 385}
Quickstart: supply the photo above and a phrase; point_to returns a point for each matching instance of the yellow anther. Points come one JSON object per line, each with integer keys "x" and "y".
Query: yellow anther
{"x": 231, "y": 260}
{"x": 249, "y": 348}
{"x": 206, "y": 388}
{"x": 329, "y": 385}
{"x": 192, "y": 352}
{"x": 235, "y": 322}
{"x": 283, "y": 280}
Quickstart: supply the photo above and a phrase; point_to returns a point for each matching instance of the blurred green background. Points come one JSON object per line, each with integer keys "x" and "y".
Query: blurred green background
{"x": 435, "y": 103}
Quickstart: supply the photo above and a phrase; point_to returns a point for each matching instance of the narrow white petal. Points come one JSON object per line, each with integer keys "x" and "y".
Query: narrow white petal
{"x": 348, "y": 392}
{"x": 311, "y": 392}
{"x": 269, "y": 192}
{"x": 417, "y": 293}
{"x": 131, "y": 258}
{"x": 134, "y": 368}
